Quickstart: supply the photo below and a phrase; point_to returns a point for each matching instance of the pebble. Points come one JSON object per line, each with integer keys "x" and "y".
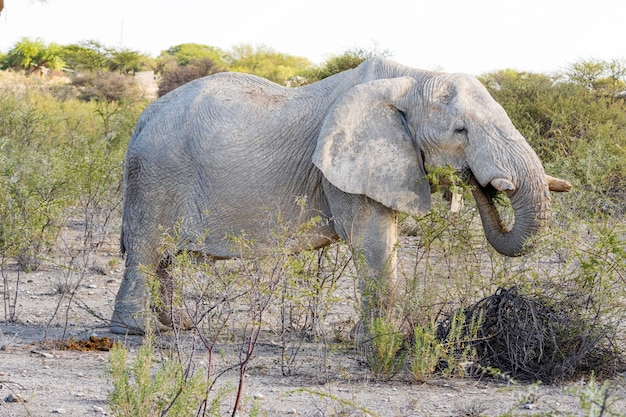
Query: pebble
{"x": 42, "y": 354}
{"x": 258, "y": 396}
{"x": 14, "y": 398}
{"x": 58, "y": 411}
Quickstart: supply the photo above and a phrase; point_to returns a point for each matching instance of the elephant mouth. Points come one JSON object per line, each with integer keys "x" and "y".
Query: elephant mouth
{"x": 493, "y": 203}
{"x": 489, "y": 199}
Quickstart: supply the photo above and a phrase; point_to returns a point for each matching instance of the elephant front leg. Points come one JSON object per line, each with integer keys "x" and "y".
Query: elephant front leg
{"x": 370, "y": 229}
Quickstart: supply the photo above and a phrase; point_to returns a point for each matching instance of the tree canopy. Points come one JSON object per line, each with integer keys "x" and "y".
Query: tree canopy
{"x": 349, "y": 59}
{"x": 29, "y": 54}
{"x": 266, "y": 62}
{"x": 186, "y": 53}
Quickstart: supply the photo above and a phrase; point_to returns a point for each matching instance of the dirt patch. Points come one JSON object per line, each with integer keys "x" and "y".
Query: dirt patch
{"x": 58, "y": 365}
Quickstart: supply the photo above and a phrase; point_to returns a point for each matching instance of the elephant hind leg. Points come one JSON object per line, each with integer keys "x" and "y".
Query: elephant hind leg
{"x": 135, "y": 307}
{"x": 132, "y": 313}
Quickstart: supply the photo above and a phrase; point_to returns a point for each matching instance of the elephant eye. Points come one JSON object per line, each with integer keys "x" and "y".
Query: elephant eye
{"x": 459, "y": 127}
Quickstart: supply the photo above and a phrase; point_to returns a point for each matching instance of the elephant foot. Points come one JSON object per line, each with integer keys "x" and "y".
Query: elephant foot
{"x": 359, "y": 334}
{"x": 124, "y": 322}
{"x": 175, "y": 320}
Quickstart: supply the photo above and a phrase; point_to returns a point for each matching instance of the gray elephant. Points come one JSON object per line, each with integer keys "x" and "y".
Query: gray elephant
{"x": 229, "y": 153}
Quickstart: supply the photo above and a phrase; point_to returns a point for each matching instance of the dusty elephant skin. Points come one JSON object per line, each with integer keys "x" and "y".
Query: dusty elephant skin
{"x": 231, "y": 152}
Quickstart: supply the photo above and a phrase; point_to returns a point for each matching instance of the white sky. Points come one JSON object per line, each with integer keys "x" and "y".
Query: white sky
{"x": 473, "y": 36}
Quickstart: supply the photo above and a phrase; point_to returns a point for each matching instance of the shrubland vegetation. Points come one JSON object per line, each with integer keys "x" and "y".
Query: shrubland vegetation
{"x": 62, "y": 141}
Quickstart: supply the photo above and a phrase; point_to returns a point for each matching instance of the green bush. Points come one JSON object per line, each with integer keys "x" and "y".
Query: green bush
{"x": 61, "y": 165}
{"x": 140, "y": 390}
{"x": 576, "y": 127}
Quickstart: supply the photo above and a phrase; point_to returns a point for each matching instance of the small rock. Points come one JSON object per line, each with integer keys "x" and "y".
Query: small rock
{"x": 42, "y": 354}
{"x": 258, "y": 396}
{"x": 14, "y": 398}
{"x": 58, "y": 411}
{"x": 98, "y": 409}
{"x": 92, "y": 286}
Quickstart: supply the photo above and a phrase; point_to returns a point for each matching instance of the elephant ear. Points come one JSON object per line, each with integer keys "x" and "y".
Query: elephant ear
{"x": 364, "y": 147}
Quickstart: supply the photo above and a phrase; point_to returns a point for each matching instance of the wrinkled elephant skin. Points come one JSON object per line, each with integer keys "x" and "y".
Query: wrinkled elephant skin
{"x": 232, "y": 152}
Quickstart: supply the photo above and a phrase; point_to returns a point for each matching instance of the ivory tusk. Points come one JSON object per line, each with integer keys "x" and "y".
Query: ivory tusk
{"x": 558, "y": 185}
{"x": 456, "y": 202}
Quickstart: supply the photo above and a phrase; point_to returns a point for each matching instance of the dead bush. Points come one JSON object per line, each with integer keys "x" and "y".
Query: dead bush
{"x": 533, "y": 339}
{"x": 106, "y": 86}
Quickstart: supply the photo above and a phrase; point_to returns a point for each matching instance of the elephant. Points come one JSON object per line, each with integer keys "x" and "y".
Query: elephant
{"x": 231, "y": 153}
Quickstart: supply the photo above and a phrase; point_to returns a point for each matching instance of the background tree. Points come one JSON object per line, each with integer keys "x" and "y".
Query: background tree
{"x": 85, "y": 56}
{"x": 175, "y": 75}
{"x": 267, "y": 63}
{"x": 94, "y": 56}
{"x": 126, "y": 61}
{"x": 106, "y": 86}
{"x": 186, "y": 53}
{"x": 27, "y": 55}
{"x": 576, "y": 127}
{"x": 349, "y": 59}
{"x": 603, "y": 77}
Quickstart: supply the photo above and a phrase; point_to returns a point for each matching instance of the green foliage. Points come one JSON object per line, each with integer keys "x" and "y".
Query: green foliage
{"x": 106, "y": 86}
{"x": 186, "y": 53}
{"x": 577, "y": 125}
{"x": 349, "y": 59}
{"x": 85, "y": 56}
{"x": 574, "y": 280}
{"x": 31, "y": 181}
{"x": 140, "y": 390}
{"x": 383, "y": 352}
{"x": 186, "y": 62}
{"x": 595, "y": 399}
{"x": 457, "y": 344}
{"x": 606, "y": 78}
{"x": 266, "y": 62}
{"x": 176, "y": 75}
{"x": 447, "y": 348}
{"x": 126, "y": 61}
{"x": 27, "y": 54}
{"x": 93, "y": 56}
{"x": 52, "y": 156}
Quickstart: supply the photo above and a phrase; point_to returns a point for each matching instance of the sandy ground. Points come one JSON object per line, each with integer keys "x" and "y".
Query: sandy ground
{"x": 325, "y": 382}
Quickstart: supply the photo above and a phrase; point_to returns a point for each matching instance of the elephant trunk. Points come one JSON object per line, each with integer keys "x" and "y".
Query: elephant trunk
{"x": 530, "y": 200}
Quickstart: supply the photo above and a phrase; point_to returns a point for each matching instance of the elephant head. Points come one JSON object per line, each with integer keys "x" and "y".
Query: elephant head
{"x": 382, "y": 136}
